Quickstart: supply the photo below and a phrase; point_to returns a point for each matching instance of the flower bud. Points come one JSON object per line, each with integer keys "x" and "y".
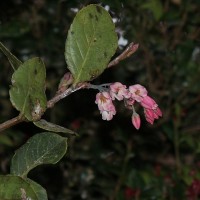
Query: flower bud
{"x": 66, "y": 80}
{"x": 136, "y": 120}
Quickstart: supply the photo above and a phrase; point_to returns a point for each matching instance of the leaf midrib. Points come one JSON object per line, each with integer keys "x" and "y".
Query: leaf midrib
{"x": 84, "y": 61}
{"x": 26, "y": 98}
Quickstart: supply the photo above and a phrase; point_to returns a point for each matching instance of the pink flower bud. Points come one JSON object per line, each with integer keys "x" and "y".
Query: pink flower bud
{"x": 158, "y": 112}
{"x": 149, "y": 103}
{"x": 149, "y": 115}
{"x": 136, "y": 120}
{"x": 152, "y": 114}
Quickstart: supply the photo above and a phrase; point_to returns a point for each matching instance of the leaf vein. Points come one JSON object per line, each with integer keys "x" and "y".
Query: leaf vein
{"x": 79, "y": 49}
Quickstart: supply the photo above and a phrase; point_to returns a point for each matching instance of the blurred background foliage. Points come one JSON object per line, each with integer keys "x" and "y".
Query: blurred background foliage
{"x": 112, "y": 160}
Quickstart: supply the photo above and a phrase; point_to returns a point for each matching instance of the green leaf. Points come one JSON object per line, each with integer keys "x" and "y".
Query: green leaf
{"x": 39, "y": 190}
{"x": 91, "y": 42}
{"x": 27, "y": 92}
{"x": 15, "y": 63}
{"x": 15, "y": 188}
{"x": 48, "y": 126}
{"x": 43, "y": 148}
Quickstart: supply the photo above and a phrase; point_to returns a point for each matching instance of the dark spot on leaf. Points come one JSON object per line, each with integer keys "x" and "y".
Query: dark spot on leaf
{"x": 72, "y": 32}
{"x": 105, "y": 54}
{"x": 96, "y": 18}
{"x": 90, "y": 15}
{"x": 35, "y": 71}
{"x": 95, "y": 39}
{"x": 99, "y": 10}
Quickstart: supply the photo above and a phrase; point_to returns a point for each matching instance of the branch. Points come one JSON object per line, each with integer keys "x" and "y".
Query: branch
{"x": 50, "y": 104}
{"x": 11, "y": 122}
{"x": 132, "y": 48}
{"x": 64, "y": 94}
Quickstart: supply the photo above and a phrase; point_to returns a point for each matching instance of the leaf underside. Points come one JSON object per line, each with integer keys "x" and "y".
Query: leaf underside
{"x": 43, "y": 148}
{"x": 48, "y": 126}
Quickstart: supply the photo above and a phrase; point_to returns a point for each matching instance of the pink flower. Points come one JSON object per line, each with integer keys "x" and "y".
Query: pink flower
{"x": 148, "y": 102}
{"x": 138, "y": 92}
{"x": 149, "y": 115}
{"x": 103, "y": 100}
{"x": 151, "y": 109}
{"x": 108, "y": 115}
{"x": 136, "y": 120}
{"x": 105, "y": 105}
{"x": 119, "y": 91}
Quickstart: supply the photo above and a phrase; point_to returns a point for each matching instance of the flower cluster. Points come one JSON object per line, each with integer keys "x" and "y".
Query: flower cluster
{"x": 135, "y": 93}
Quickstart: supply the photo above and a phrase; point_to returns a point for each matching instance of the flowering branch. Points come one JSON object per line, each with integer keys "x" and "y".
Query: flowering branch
{"x": 107, "y": 93}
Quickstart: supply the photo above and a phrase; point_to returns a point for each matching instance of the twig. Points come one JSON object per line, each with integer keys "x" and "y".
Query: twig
{"x": 125, "y": 54}
{"x": 50, "y": 104}
{"x": 64, "y": 94}
{"x": 11, "y": 122}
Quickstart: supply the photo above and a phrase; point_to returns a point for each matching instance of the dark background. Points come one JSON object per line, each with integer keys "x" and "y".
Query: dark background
{"x": 112, "y": 160}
